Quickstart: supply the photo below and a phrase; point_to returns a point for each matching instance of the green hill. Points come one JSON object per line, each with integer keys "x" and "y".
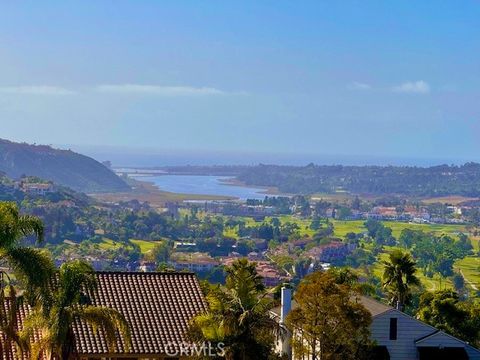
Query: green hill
{"x": 63, "y": 167}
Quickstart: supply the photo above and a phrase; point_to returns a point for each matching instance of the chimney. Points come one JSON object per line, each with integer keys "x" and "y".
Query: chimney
{"x": 286, "y": 304}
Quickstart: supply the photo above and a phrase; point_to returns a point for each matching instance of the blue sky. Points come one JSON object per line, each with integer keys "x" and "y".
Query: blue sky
{"x": 371, "y": 79}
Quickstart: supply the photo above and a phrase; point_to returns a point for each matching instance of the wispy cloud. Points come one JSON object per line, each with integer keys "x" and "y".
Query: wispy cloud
{"x": 158, "y": 90}
{"x": 358, "y": 86}
{"x": 414, "y": 87}
{"x": 36, "y": 90}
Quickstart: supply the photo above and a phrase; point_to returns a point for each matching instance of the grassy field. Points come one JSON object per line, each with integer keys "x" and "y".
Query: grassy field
{"x": 145, "y": 245}
{"x": 356, "y": 226}
{"x": 431, "y": 284}
{"x": 454, "y": 199}
{"x": 108, "y": 244}
{"x": 341, "y": 228}
{"x": 470, "y": 268}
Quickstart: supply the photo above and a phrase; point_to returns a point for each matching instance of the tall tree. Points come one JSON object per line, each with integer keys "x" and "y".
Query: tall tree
{"x": 68, "y": 302}
{"x": 444, "y": 310}
{"x": 238, "y": 316}
{"x": 399, "y": 277}
{"x": 32, "y": 266}
{"x": 329, "y": 323}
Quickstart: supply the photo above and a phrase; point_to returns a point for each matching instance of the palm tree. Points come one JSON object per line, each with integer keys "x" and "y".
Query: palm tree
{"x": 32, "y": 266}
{"x": 398, "y": 277}
{"x": 238, "y": 315}
{"x": 70, "y": 302}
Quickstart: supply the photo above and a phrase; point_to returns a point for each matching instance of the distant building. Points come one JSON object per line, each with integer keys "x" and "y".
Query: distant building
{"x": 195, "y": 262}
{"x": 40, "y": 189}
{"x": 270, "y": 274}
{"x": 333, "y": 251}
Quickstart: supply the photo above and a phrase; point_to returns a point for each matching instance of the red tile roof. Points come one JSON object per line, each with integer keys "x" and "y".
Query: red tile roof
{"x": 158, "y": 307}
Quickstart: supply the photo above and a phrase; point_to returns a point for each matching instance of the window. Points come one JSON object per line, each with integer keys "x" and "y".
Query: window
{"x": 393, "y": 328}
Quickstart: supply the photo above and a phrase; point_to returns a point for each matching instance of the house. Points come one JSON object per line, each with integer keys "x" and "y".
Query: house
{"x": 271, "y": 276}
{"x": 269, "y": 272}
{"x": 40, "y": 189}
{"x": 333, "y": 251}
{"x": 157, "y": 306}
{"x": 383, "y": 213}
{"x": 196, "y": 262}
{"x": 398, "y": 336}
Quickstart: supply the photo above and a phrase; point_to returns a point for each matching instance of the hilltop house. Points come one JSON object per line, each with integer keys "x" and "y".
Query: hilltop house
{"x": 39, "y": 189}
{"x": 157, "y": 306}
{"x": 398, "y": 335}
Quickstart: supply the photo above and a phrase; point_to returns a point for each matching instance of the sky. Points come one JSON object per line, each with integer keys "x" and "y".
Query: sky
{"x": 245, "y": 81}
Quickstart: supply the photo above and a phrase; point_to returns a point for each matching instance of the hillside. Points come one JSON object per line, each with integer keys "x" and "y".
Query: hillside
{"x": 63, "y": 167}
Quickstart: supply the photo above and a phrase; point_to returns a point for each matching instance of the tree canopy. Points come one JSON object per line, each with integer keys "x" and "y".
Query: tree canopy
{"x": 329, "y": 322}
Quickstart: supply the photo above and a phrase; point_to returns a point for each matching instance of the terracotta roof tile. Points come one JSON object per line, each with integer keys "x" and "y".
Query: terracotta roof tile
{"x": 158, "y": 307}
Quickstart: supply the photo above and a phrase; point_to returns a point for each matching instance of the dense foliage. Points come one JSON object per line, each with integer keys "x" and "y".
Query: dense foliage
{"x": 238, "y": 316}
{"x": 414, "y": 181}
{"x": 334, "y": 324}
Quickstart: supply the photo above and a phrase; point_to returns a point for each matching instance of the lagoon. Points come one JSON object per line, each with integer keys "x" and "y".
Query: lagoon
{"x": 202, "y": 185}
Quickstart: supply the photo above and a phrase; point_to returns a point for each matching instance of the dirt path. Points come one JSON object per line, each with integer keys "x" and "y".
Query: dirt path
{"x": 473, "y": 286}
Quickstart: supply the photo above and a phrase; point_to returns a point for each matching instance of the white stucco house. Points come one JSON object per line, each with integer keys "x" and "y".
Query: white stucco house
{"x": 398, "y": 335}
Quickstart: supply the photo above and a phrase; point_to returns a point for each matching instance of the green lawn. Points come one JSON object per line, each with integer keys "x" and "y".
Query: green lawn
{"x": 344, "y": 227}
{"x": 431, "y": 284}
{"x": 145, "y": 245}
{"x": 470, "y": 268}
{"x": 437, "y": 229}
{"x": 303, "y": 224}
{"x": 108, "y": 244}
{"x": 341, "y": 228}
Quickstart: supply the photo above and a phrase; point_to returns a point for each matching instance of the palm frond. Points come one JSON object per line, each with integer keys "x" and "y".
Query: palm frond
{"x": 76, "y": 279}
{"x": 31, "y": 225}
{"x": 32, "y": 266}
{"x": 210, "y": 327}
{"x": 33, "y": 322}
{"x": 8, "y": 224}
{"x": 40, "y": 346}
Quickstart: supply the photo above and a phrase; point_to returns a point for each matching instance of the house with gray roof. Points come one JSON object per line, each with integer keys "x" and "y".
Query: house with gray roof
{"x": 398, "y": 336}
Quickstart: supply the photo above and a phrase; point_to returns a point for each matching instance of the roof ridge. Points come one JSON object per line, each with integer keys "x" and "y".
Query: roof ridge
{"x": 145, "y": 272}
